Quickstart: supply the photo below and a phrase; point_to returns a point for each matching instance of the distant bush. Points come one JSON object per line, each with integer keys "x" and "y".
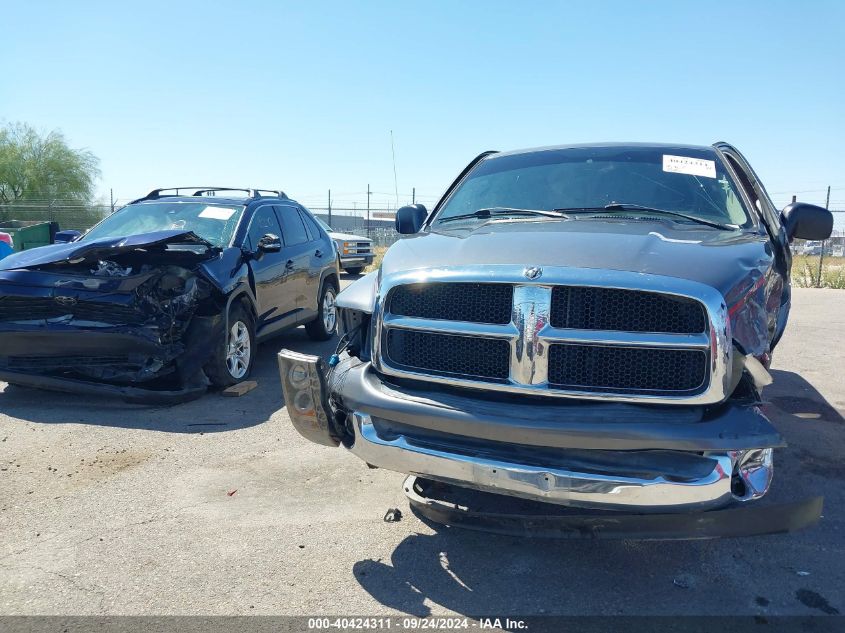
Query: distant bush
{"x": 805, "y": 272}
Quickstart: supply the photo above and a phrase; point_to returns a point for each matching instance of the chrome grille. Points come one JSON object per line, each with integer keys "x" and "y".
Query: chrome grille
{"x": 578, "y": 333}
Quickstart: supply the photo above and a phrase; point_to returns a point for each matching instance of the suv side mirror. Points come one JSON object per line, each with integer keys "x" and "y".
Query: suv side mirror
{"x": 807, "y": 221}
{"x": 268, "y": 244}
{"x": 410, "y": 219}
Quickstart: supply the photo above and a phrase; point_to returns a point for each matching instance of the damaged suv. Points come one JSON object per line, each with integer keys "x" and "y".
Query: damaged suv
{"x": 582, "y": 325}
{"x": 167, "y": 295}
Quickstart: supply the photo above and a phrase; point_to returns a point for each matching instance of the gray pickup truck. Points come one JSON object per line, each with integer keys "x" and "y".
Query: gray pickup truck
{"x": 581, "y": 325}
{"x": 354, "y": 252}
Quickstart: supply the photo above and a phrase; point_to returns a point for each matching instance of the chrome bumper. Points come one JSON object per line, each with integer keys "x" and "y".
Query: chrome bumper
{"x": 553, "y": 485}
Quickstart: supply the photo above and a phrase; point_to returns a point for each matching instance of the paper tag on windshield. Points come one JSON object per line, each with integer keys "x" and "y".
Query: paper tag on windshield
{"x": 689, "y": 166}
{"x": 218, "y": 213}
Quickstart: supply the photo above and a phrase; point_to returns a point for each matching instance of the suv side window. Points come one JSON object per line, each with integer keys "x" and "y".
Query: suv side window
{"x": 293, "y": 229}
{"x": 311, "y": 225}
{"x": 263, "y": 221}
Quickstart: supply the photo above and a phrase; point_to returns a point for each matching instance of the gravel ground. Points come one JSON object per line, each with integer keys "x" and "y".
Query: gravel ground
{"x": 219, "y": 507}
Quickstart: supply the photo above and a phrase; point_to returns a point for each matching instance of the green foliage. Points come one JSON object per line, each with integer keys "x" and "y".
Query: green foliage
{"x": 805, "y": 272}
{"x": 42, "y": 168}
{"x": 42, "y": 178}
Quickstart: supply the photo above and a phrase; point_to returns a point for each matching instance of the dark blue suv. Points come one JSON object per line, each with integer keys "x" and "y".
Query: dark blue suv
{"x": 167, "y": 295}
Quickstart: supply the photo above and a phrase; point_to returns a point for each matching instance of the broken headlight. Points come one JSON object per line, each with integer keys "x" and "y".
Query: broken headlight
{"x": 304, "y": 388}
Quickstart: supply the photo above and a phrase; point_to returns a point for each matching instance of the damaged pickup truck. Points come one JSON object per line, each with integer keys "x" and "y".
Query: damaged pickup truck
{"x": 582, "y": 325}
{"x": 168, "y": 295}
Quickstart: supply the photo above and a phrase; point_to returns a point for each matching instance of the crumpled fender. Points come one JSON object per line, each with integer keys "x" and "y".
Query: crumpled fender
{"x": 226, "y": 271}
{"x": 360, "y": 294}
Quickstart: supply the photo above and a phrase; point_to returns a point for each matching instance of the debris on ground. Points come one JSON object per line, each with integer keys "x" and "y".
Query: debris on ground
{"x": 240, "y": 389}
{"x": 393, "y": 515}
{"x": 231, "y": 493}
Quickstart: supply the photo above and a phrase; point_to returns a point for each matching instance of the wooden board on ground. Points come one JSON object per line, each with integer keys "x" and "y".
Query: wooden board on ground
{"x": 236, "y": 391}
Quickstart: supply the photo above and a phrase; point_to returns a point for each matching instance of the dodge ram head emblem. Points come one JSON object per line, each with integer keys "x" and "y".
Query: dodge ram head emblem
{"x": 533, "y": 272}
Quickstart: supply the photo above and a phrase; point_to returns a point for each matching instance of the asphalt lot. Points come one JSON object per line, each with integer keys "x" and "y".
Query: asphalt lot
{"x": 219, "y": 507}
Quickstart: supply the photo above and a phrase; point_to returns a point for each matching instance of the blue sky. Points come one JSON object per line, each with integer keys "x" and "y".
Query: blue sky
{"x": 303, "y": 95}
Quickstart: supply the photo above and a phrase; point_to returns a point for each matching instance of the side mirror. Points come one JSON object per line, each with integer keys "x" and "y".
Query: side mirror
{"x": 268, "y": 244}
{"x": 410, "y": 219}
{"x": 807, "y": 221}
{"x": 64, "y": 237}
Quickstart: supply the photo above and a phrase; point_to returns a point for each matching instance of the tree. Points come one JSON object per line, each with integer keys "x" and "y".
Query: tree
{"x": 43, "y": 168}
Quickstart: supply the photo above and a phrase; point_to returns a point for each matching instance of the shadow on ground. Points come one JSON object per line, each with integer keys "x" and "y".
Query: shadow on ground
{"x": 209, "y": 414}
{"x": 474, "y": 573}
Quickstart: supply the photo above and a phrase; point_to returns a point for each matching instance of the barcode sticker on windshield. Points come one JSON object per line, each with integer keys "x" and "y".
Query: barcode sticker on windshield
{"x": 689, "y": 166}
{"x": 217, "y": 213}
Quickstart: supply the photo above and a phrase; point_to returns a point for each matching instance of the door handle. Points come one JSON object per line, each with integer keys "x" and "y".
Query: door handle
{"x": 318, "y": 253}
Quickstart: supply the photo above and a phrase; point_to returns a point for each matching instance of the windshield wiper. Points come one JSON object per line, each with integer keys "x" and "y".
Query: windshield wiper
{"x": 489, "y": 212}
{"x": 622, "y": 206}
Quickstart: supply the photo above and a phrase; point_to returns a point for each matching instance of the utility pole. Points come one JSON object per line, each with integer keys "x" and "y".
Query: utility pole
{"x": 368, "y": 210}
{"x": 824, "y": 242}
{"x": 395, "y": 182}
{"x": 414, "y": 195}
{"x": 111, "y": 196}
{"x": 330, "y": 207}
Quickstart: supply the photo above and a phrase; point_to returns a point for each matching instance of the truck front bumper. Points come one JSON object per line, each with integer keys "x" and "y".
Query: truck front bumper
{"x": 706, "y": 484}
{"x": 603, "y": 456}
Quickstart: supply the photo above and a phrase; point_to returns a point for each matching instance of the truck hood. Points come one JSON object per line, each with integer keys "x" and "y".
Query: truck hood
{"x": 348, "y": 237}
{"x": 102, "y": 249}
{"x": 720, "y": 259}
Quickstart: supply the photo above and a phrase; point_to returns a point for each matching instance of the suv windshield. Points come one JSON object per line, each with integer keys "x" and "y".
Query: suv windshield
{"x": 214, "y": 223}
{"x": 688, "y": 181}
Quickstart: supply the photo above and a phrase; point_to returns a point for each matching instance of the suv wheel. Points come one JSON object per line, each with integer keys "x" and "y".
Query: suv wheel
{"x": 323, "y": 327}
{"x": 233, "y": 358}
{"x": 353, "y": 270}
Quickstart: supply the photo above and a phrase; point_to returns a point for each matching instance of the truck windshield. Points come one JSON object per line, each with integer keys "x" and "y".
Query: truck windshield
{"x": 214, "y": 223}
{"x": 690, "y": 181}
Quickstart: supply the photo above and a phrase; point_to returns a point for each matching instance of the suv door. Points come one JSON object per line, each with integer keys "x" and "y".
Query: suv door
{"x": 322, "y": 256}
{"x": 276, "y": 303}
{"x": 297, "y": 253}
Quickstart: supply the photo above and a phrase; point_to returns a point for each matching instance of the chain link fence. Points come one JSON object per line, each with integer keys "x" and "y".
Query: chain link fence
{"x": 68, "y": 215}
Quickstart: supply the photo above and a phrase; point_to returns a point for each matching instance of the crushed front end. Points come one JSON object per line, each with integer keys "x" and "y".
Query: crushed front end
{"x": 134, "y": 322}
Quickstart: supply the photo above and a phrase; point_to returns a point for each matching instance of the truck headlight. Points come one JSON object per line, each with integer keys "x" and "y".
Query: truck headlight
{"x": 306, "y": 396}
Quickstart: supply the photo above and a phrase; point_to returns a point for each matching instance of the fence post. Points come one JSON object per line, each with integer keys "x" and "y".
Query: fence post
{"x": 824, "y": 243}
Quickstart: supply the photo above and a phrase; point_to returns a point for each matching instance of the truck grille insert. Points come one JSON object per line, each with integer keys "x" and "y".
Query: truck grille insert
{"x": 475, "y": 303}
{"x": 627, "y": 369}
{"x": 449, "y": 355}
{"x": 587, "y": 308}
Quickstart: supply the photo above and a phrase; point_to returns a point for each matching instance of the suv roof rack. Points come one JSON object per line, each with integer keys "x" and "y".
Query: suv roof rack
{"x": 200, "y": 191}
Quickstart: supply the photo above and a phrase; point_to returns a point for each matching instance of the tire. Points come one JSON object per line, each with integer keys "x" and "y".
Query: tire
{"x": 325, "y": 325}
{"x": 235, "y": 354}
{"x": 354, "y": 270}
